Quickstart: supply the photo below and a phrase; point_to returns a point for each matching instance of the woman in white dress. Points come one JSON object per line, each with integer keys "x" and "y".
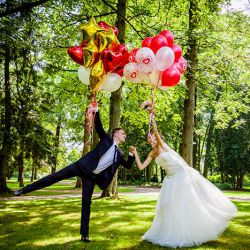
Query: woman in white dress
{"x": 190, "y": 210}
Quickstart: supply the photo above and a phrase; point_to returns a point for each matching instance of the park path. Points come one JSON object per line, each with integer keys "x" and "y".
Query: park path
{"x": 138, "y": 191}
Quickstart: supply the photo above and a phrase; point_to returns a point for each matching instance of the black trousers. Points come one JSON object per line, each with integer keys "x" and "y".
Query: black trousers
{"x": 88, "y": 183}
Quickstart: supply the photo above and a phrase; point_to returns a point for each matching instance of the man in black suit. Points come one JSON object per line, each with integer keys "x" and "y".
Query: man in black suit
{"x": 96, "y": 167}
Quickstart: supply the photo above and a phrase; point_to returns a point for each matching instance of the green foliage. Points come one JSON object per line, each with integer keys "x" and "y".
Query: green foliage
{"x": 45, "y": 89}
{"x": 233, "y": 149}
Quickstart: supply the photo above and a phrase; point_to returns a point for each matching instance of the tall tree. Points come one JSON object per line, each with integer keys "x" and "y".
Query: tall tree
{"x": 116, "y": 97}
{"x": 6, "y": 142}
{"x": 189, "y": 103}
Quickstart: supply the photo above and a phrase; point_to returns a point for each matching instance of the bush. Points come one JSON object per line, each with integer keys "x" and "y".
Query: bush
{"x": 223, "y": 186}
{"x": 215, "y": 178}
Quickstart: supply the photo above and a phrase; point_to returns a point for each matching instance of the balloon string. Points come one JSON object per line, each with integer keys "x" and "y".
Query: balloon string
{"x": 151, "y": 109}
{"x": 90, "y": 117}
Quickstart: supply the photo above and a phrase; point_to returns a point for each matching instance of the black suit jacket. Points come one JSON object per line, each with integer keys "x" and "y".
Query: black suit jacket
{"x": 90, "y": 161}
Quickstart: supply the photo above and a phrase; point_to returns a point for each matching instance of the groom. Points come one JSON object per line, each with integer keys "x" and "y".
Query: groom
{"x": 96, "y": 167}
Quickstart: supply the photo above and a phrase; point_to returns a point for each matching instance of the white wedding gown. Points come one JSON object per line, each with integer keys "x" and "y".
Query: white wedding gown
{"x": 190, "y": 210}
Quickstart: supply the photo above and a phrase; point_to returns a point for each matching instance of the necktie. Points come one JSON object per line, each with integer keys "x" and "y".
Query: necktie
{"x": 114, "y": 159}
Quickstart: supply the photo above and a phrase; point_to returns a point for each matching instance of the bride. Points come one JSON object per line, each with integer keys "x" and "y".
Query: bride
{"x": 190, "y": 210}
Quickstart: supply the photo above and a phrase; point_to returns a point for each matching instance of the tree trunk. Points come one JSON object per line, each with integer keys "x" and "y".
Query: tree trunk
{"x": 115, "y": 100}
{"x": 86, "y": 144}
{"x": 56, "y": 145}
{"x": 189, "y": 103}
{"x": 199, "y": 156}
{"x": 239, "y": 181}
{"x": 162, "y": 174}
{"x": 6, "y": 142}
{"x": 10, "y": 172}
{"x": 35, "y": 173}
{"x": 208, "y": 137}
{"x": 34, "y": 164}
{"x": 208, "y": 146}
{"x": 32, "y": 174}
{"x": 149, "y": 173}
{"x": 20, "y": 167}
{"x": 122, "y": 174}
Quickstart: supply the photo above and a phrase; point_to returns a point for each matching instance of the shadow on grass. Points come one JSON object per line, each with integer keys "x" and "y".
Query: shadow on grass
{"x": 114, "y": 224}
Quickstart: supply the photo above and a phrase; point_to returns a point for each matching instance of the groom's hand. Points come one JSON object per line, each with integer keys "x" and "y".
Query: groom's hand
{"x": 132, "y": 149}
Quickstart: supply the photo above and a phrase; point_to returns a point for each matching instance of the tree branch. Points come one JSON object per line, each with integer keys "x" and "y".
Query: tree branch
{"x": 23, "y": 7}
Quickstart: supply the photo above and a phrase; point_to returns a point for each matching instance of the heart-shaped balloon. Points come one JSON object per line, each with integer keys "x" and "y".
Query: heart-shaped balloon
{"x": 107, "y": 27}
{"x": 76, "y": 54}
{"x": 114, "y": 61}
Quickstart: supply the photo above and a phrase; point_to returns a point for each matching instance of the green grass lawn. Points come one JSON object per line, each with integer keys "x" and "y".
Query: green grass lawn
{"x": 115, "y": 224}
{"x": 237, "y": 193}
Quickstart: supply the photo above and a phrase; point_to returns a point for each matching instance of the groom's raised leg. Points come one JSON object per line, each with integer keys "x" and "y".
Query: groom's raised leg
{"x": 65, "y": 173}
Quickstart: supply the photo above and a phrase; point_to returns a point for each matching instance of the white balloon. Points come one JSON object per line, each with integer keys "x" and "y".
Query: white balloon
{"x": 154, "y": 76}
{"x": 111, "y": 82}
{"x": 145, "y": 59}
{"x": 164, "y": 58}
{"x": 131, "y": 73}
{"x": 84, "y": 74}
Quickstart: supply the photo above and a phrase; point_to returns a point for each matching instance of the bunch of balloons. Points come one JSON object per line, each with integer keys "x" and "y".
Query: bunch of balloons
{"x": 101, "y": 56}
{"x": 158, "y": 62}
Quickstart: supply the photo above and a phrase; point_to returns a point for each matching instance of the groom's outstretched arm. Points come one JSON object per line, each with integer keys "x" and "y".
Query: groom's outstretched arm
{"x": 98, "y": 125}
{"x": 128, "y": 164}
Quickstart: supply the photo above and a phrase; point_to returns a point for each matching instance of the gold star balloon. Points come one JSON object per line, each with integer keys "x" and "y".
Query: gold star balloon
{"x": 106, "y": 39}
{"x": 89, "y": 53}
{"x": 95, "y": 40}
{"x": 90, "y": 28}
{"x": 96, "y": 76}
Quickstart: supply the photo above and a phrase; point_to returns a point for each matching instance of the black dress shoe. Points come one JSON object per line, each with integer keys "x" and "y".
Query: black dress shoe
{"x": 85, "y": 238}
{"x": 18, "y": 192}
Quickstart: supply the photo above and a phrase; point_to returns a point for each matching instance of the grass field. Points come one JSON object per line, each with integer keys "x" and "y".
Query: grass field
{"x": 115, "y": 224}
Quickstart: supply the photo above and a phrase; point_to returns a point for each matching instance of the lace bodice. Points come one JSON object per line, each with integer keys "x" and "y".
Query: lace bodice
{"x": 170, "y": 162}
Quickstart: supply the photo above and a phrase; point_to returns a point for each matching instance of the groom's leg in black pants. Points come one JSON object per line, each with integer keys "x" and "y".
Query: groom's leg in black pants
{"x": 87, "y": 191}
{"x": 65, "y": 173}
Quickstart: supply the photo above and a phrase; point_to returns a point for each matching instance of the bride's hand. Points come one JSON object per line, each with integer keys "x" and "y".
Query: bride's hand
{"x": 132, "y": 149}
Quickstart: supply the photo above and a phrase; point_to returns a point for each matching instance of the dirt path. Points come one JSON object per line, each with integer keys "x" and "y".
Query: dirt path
{"x": 77, "y": 194}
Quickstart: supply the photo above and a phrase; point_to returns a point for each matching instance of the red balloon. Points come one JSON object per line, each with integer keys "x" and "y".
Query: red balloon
{"x": 119, "y": 71}
{"x": 85, "y": 42}
{"x": 158, "y": 42}
{"x": 76, "y": 54}
{"x": 106, "y": 26}
{"x": 169, "y": 36}
{"x": 114, "y": 61}
{"x": 170, "y": 77}
{"x": 177, "y": 66}
{"x": 146, "y": 42}
{"x": 132, "y": 54}
{"x": 177, "y": 52}
{"x": 183, "y": 64}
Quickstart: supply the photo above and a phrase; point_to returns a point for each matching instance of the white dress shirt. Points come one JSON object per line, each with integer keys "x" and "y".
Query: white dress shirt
{"x": 106, "y": 160}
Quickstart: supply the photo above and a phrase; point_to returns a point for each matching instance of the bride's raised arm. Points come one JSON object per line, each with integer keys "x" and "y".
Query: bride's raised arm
{"x": 141, "y": 165}
{"x": 160, "y": 142}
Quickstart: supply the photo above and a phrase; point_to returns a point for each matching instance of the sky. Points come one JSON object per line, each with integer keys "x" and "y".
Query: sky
{"x": 241, "y": 5}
